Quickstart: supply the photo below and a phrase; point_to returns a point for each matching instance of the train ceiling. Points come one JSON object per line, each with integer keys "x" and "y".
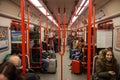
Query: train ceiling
{"x": 61, "y": 6}
{"x": 69, "y": 6}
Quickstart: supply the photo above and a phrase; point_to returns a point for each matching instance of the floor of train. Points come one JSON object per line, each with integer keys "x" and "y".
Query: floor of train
{"x": 67, "y": 74}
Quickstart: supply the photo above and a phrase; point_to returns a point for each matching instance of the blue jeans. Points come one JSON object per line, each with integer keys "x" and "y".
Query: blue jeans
{"x": 45, "y": 63}
{"x": 73, "y": 52}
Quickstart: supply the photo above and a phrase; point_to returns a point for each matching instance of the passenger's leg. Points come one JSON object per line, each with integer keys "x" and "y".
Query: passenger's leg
{"x": 45, "y": 64}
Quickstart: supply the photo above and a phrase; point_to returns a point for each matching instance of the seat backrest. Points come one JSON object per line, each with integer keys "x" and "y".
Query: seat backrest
{"x": 27, "y": 61}
{"x": 94, "y": 64}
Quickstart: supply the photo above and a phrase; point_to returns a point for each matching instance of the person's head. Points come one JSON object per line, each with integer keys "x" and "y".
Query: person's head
{"x": 15, "y": 51}
{"x": 7, "y": 71}
{"x": 14, "y": 59}
{"x": 101, "y": 52}
{"x": 3, "y": 77}
{"x": 108, "y": 55}
{"x": 81, "y": 39}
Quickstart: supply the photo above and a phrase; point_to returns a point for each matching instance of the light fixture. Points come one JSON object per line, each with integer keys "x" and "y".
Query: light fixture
{"x": 50, "y": 18}
{"x": 86, "y": 4}
{"x": 38, "y": 5}
{"x": 43, "y": 10}
{"x": 80, "y": 9}
{"x": 80, "y": 6}
{"x": 74, "y": 18}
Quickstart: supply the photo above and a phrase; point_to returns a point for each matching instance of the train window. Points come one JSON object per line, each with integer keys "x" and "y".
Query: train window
{"x": 16, "y": 36}
{"x": 117, "y": 42}
{"x": 15, "y": 26}
{"x": 104, "y": 34}
{"x": 106, "y": 25}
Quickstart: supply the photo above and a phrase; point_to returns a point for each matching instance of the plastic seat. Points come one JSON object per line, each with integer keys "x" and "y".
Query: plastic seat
{"x": 27, "y": 61}
{"x": 94, "y": 65}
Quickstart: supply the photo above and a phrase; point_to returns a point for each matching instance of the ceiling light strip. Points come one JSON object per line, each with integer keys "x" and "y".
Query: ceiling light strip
{"x": 82, "y": 3}
{"x": 41, "y": 8}
{"x": 80, "y": 9}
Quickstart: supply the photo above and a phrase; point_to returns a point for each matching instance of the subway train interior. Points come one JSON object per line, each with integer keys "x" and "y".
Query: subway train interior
{"x": 59, "y": 39}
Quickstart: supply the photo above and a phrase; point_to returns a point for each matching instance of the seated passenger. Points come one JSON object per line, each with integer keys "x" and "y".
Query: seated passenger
{"x": 45, "y": 62}
{"x": 51, "y": 53}
{"x": 36, "y": 56}
{"x": 16, "y": 61}
{"x": 106, "y": 66}
{"x": 8, "y": 71}
{"x": 14, "y": 52}
{"x": 77, "y": 54}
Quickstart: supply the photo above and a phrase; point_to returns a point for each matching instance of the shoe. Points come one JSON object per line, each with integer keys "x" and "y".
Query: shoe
{"x": 70, "y": 65}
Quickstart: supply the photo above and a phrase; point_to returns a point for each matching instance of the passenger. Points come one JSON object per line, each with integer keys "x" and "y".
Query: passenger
{"x": 51, "y": 54}
{"x": 45, "y": 62}
{"x": 14, "y": 52}
{"x": 14, "y": 59}
{"x": 76, "y": 42}
{"x": 106, "y": 66}
{"x": 8, "y": 71}
{"x": 56, "y": 43}
{"x": 78, "y": 53}
{"x": 45, "y": 59}
{"x": 101, "y": 52}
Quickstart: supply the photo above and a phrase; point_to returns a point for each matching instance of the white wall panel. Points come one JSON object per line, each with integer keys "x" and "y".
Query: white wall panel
{"x": 4, "y": 22}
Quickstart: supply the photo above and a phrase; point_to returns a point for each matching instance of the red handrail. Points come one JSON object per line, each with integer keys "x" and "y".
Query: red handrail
{"x": 63, "y": 36}
{"x": 23, "y": 37}
{"x": 94, "y": 53}
{"x": 40, "y": 29}
{"x": 28, "y": 28}
{"x": 89, "y": 39}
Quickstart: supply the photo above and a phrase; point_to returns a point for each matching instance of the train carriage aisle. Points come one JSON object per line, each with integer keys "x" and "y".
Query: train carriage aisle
{"x": 67, "y": 74}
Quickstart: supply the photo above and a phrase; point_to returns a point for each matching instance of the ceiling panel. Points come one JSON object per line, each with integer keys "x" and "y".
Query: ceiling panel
{"x": 63, "y": 5}
{"x": 69, "y": 5}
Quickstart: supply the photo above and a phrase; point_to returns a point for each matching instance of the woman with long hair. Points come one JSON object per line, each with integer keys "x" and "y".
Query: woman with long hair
{"x": 106, "y": 67}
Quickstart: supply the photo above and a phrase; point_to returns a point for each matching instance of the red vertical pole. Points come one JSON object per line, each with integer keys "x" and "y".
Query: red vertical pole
{"x": 64, "y": 33}
{"x": 94, "y": 32}
{"x": 89, "y": 39}
{"x": 23, "y": 37}
{"x": 61, "y": 59}
{"x": 52, "y": 31}
{"x": 40, "y": 40}
{"x": 28, "y": 28}
{"x": 47, "y": 29}
{"x": 58, "y": 32}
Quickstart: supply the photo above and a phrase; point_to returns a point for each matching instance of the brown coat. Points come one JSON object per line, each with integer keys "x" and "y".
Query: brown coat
{"x": 102, "y": 68}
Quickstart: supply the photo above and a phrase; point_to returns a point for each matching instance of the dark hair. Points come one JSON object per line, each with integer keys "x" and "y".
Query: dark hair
{"x": 8, "y": 70}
